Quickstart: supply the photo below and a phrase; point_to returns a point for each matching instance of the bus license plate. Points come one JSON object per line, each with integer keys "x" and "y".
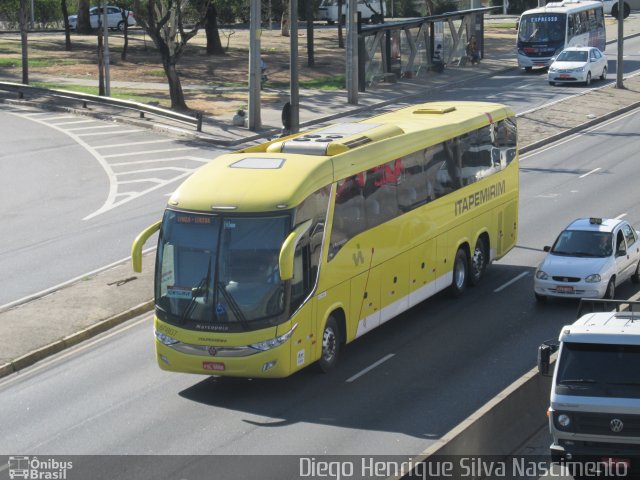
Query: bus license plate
{"x": 563, "y": 289}
{"x": 218, "y": 366}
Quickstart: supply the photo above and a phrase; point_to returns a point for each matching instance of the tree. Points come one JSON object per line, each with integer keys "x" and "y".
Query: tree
{"x": 124, "y": 6}
{"x": 23, "y": 19}
{"x": 284, "y": 24}
{"x": 67, "y": 33}
{"x": 163, "y": 21}
{"x": 83, "y": 26}
{"x": 214, "y": 46}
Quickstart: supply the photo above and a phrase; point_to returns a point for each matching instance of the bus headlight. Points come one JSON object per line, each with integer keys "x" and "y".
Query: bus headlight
{"x": 541, "y": 275}
{"x": 274, "y": 342}
{"x": 165, "y": 339}
{"x": 593, "y": 278}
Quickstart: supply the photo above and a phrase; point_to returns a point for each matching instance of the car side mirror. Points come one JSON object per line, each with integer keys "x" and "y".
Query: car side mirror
{"x": 547, "y": 248}
{"x": 621, "y": 253}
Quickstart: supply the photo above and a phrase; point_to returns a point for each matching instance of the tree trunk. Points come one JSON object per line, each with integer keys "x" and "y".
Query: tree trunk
{"x": 340, "y": 35}
{"x": 309, "y": 15}
{"x": 67, "y": 33}
{"x": 214, "y": 45}
{"x": 430, "y": 7}
{"x": 284, "y": 24}
{"x": 23, "y": 19}
{"x": 84, "y": 26}
{"x": 125, "y": 46}
{"x": 175, "y": 88}
{"x": 101, "y": 87}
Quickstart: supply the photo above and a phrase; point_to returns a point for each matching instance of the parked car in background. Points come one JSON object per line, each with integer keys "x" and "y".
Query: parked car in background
{"x": 589, "y": 259}
{"x": 114, "y": 18}
{"x": 578, "y": 64}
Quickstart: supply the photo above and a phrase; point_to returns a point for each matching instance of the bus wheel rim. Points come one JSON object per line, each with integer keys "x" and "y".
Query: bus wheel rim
{"x": 459, "y": 274}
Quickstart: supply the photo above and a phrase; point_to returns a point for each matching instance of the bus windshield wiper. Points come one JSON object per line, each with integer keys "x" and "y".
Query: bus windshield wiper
{"x": 195, "y": 293}
{"x": 625, "y": 384}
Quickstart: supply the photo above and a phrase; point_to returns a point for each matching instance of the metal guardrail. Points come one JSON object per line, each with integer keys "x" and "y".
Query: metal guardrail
{"x": 23, "y": 90}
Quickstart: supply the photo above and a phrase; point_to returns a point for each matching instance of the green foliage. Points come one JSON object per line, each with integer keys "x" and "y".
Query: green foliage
{"x": 516, "y": 7}
{"x": 444, "y": 6}
{"x": 404, "y": 8}
{"x": 47, "y": 13}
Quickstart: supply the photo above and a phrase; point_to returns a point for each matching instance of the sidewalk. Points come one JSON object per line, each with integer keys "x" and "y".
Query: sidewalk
{"x": 58, "y": 320}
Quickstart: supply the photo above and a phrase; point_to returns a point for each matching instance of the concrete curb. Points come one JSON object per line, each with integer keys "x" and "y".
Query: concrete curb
{"x": 73, "y": 339}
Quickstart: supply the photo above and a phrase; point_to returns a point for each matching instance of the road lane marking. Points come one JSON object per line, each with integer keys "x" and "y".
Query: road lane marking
{"x": 74, "y": 122}
{"x": 147, "y": 152}
{"x": 131, "y": 144}
{"x": 104, "y": 126}
{"x": 621, "y": 216}
{"x": 369, "y": 368}
{"x": 513, "y": 280}
{"x": 589, "y": 173}
{"x": 170, "y": 159}
{"x": 109, "y": 133}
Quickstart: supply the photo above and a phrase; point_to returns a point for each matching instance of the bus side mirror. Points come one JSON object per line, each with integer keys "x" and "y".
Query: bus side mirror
{"x": 288, "y": 250}
{"x": 547, "y": 248}
{"x": 138, "y": 243}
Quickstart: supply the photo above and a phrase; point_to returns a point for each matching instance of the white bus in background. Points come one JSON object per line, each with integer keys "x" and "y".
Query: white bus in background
{"x": 370, "y": 10}
{"x": 544, "y": 32}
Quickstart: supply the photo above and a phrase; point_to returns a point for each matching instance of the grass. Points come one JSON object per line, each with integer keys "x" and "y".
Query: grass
{"x": 122, "y": 94}
{"x": 35, "y": 62}
{"x": 337, "y": 82}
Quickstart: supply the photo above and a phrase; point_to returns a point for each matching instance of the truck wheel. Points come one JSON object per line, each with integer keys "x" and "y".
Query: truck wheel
{"x": 331, "y": 343}
{"x": 460, "y": 273}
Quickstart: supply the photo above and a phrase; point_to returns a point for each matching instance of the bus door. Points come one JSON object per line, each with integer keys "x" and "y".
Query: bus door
{"x": 507, "y": 228}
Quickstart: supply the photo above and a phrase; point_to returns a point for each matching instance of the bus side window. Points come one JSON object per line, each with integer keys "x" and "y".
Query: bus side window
{"x": 414, "y": 188}
{"x": 348, "y": 213}
{"x": 571, "y": 28}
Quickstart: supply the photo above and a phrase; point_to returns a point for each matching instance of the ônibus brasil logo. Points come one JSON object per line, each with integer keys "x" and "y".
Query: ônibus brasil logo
{"x": 32, "y": 468}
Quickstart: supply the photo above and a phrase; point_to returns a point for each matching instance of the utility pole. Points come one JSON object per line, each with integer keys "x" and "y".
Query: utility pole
{"x": 33, "y": 15}
{"x": 620, "y": 62}
{"x": 254, "y": 66}
{"x": 352, "y": 52}
{"x": 294, "y": 98}
{"x": 105, "y": 30}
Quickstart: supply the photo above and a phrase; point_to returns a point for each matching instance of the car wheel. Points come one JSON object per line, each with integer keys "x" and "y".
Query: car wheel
{"x": 635, "y": 278}
{"x": 611, "y": 289}
{"x": 121, "y": 26}
{"x": 479, "y": 262}
{"x": 331, "y": 342}
{"x": 540, "y": 298}
{"x": 552, "y": 84}
{"x": 604, "y": 74}
{"x": 587, "y": 82}
{"x": 460, "y": 273}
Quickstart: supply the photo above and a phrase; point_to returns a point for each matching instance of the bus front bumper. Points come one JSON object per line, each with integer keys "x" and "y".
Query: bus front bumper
{"x": 538, "y": 62}
{"x": 272, "y": 363}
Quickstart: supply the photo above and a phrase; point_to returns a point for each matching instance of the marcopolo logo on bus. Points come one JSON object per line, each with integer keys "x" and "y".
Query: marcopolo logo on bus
{"x": 38, "y": 469}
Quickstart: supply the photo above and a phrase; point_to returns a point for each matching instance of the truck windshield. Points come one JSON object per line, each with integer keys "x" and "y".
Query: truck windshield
{"x": 599, "y": 370}
{"x": 220, "y": 272}
{"x": 542, "y": 28}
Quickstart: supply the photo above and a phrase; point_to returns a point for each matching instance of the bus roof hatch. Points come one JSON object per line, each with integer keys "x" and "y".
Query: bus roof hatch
{"x": 336, "y": 139}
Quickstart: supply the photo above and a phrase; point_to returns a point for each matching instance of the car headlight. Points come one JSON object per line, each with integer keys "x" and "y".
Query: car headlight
{"x": 593, "y": 278}
{"x": 564, "y": 420}
{"x": 165, "y": 339}
{"x": 541, "y": 275}
{"x": 274, "y": 342}
{"x": 579, "y": 69}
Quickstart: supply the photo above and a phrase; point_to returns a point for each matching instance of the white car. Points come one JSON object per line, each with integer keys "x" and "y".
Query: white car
{"x": 578, "y": 64}
{"x": 114, "y": 18}
{"x": 589, "y": 259}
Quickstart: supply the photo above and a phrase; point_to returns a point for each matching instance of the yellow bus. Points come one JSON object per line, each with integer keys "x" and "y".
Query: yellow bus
{"x": 274, "y": 257}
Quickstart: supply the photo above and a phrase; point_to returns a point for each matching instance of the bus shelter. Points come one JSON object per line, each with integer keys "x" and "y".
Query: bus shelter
{"x": 411, "y": 48}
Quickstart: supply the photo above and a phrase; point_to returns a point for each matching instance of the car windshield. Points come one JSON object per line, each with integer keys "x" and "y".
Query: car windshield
{"x": 219, "y": 270}
{"x": 582, "y": 243}
{"x": 601, "y": 369}
{"x": 573, "y": 56}
{"x": 542, "y": 28}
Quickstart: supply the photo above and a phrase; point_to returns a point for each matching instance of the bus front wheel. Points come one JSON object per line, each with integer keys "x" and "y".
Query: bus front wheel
{"x": 460, "y": 273}
{"x": 331, "y": 342}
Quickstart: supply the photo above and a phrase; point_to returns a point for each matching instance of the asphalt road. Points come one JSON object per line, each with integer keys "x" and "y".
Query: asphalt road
{"x": 442, "y": 359}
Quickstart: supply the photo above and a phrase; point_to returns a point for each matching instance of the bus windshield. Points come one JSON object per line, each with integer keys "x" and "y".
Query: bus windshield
{"x": 542, "y": 28}
{"x": 220, "y": 271}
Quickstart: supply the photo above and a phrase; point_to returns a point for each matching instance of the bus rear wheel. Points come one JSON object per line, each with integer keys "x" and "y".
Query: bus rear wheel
{"x": 478, "y": 262}
{"x": 331, "y": 342}
{"x": 460, "y": 273}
